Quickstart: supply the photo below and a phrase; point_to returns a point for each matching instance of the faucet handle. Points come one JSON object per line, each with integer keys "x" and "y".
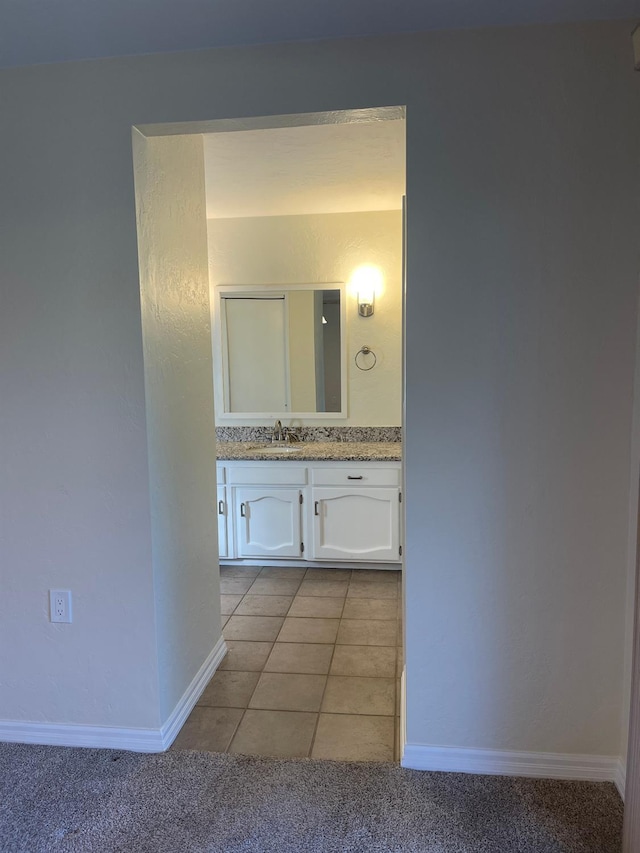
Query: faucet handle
{"x": 278, "y": 432}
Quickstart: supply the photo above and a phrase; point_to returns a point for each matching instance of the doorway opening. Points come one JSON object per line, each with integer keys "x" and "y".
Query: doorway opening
{"x": 302, "y": 246}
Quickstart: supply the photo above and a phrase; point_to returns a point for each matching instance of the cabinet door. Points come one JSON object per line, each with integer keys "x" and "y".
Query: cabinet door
{"x": 356, "y": 524}
{"x": 268, "y": 522}
{"x": 223, "y": 525}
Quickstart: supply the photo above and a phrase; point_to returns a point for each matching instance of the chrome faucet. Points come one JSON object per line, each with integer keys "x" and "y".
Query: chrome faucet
{"x": 278, "y": 432}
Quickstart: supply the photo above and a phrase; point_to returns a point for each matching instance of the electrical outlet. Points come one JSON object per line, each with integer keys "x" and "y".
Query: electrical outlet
{"x": 60, "y": 605}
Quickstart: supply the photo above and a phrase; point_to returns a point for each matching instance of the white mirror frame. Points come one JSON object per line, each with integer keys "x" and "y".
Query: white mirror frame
{"x": 219, "y": 351}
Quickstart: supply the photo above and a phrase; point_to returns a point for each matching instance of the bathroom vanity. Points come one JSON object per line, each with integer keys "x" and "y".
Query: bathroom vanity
{"x": 324, "y": 502}
{"x": 280, "y": 354}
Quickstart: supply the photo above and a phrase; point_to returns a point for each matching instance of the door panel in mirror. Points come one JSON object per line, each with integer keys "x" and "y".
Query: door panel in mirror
{"x": 282, "y": 350}
{"x": 256, "y": 355}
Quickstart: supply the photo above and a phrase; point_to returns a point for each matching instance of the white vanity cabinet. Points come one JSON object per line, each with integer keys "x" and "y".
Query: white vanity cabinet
{"x": 310, "y": 512}
{"x": 223, "y": 513}
{"x": 266, "y": 500}
{"x": 223, "y": 527}
{"x": 268, "y": 522}
{"x": 356, "y": 513}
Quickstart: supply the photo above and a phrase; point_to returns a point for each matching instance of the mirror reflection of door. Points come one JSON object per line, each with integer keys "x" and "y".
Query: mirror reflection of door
{"x": 331, "y": 351}
{"x": 302, "y": 356}
{"x": 282, "y": 350}
{"x": 256, "y": 331}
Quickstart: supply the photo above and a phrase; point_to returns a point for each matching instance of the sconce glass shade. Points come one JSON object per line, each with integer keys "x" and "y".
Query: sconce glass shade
{"x": 366, "y": 304}
{"x": 366, "y": 281}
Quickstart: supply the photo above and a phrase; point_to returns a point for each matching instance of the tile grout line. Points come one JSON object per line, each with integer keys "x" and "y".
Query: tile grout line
{"x": 263, "y": 670}
{"x": 306, "y": 642}
{"x": 274, "y": 642}
{"x": 306, "y": 672}
{"x": 335, "y": 643}
{"x": 244, "y": 710}
{"x": 236, "y": 730}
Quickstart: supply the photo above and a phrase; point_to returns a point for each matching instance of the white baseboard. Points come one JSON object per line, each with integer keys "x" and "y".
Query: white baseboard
{"x": 621, "y": 776}
{"x": 191, "y": 695}
{"x": 545, "y": 765}
{"x": 403, "y": 710}
{"x": 238, "y": 563}
{"x": 68, "y": 734}
{"x": 113, "y": 737}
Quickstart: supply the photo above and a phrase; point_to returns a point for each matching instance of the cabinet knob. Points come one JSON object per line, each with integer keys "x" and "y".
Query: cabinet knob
{"x": 220, "y": 507}
{"x": 316, "y": 508}
{"x": 242, "y": 512}
{"x": 359, "y": 477}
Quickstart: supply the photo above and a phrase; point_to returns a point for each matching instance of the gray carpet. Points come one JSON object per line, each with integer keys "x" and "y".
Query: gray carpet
{"x": 57, "y": 799}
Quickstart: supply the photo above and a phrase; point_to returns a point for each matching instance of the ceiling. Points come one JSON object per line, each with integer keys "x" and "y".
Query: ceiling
{"x": 37, "y": 31}
{"x": 332, "y": 168}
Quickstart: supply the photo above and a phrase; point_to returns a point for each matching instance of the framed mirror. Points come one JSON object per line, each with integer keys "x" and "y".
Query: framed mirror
{"x": 281, "y": 351}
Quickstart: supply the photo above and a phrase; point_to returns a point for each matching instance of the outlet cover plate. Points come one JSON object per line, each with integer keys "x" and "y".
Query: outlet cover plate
{"x": 60, "y": 605}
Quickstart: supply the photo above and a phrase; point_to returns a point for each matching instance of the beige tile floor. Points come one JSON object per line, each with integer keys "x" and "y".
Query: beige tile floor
{"x": 312, "y": 667}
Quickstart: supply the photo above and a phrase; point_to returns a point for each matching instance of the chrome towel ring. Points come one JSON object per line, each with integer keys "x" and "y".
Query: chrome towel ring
{"x": 365, "y": 351}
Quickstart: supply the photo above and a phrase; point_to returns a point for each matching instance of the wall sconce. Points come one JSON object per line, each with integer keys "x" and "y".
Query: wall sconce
{"x": 366, "y": 301}
{"x": 366, "y": 282}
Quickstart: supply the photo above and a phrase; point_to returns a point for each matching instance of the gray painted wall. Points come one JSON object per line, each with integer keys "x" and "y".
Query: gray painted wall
{"x": 522, "y": 175}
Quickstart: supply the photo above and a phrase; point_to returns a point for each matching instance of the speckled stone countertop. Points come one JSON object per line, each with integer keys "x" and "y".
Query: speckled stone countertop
{"x": 314, "y": 451}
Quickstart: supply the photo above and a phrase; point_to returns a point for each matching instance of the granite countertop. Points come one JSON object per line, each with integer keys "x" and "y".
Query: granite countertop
{"x": 314, "y": 451}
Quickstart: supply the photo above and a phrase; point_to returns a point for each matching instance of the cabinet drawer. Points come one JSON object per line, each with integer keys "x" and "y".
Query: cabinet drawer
{"x": 277, "y": 474}
{"x": 356, "y": 475}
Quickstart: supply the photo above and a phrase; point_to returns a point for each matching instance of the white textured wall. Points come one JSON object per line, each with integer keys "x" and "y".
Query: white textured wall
{"x": 522, "y": 173}
{"x": 174, "y": 286}
{"x": 327, "y": 247}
